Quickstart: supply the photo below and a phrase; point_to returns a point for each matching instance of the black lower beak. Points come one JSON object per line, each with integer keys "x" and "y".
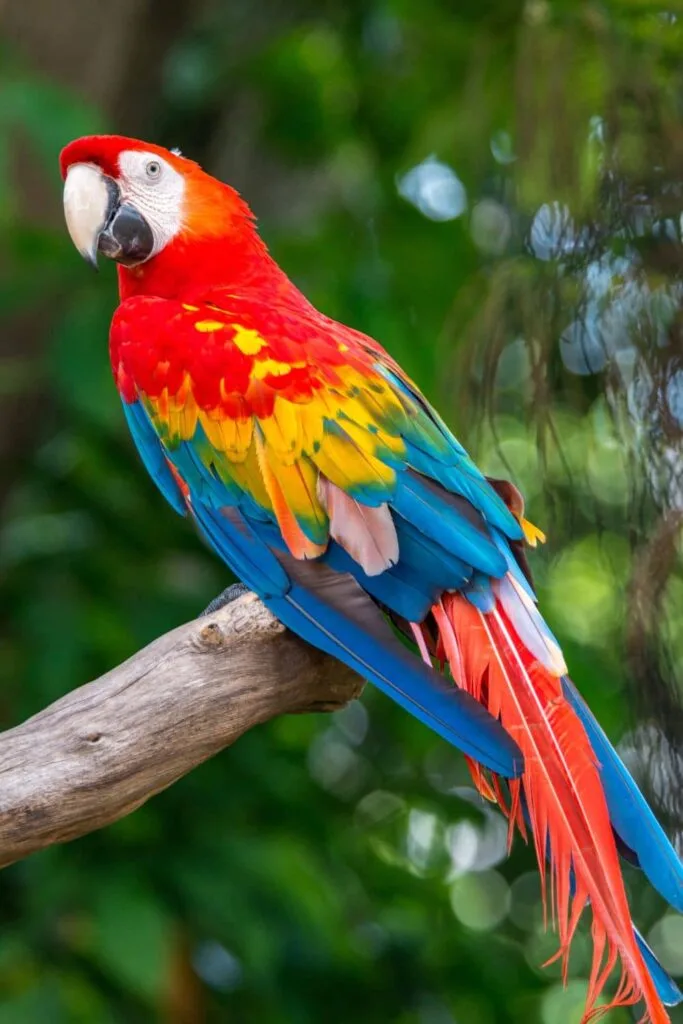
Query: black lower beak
{"x": 126, "y": 237}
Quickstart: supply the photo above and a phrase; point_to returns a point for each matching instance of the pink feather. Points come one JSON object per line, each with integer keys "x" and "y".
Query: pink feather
{"x": 367, "y": 534}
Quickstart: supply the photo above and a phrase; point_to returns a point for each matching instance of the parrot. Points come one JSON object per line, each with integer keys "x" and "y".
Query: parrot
{"x": 318, "y": 472}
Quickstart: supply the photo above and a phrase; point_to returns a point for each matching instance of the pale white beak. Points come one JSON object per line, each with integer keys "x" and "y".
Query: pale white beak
{"x": 87, "y": 205}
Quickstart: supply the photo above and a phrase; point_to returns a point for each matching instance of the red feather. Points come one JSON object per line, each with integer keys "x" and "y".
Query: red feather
{"x": 562, "y": 791}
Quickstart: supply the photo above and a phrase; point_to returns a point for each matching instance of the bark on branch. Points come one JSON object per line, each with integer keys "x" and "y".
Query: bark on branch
{"x": 103, "y": 749}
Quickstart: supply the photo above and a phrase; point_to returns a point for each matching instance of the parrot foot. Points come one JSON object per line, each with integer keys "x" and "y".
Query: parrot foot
{"x": 226, "y": 597}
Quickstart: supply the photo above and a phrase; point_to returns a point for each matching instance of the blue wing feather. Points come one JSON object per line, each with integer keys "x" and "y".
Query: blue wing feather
{"x": 410, "y": 588}
{"x": 432, "y": 449}
{"x": 403, "y": 591}
{"x": 436, "y": 517}
{"x": 152, "y": 454}
{"x": 383, "y": 660}
{"x": 238, "y": 544}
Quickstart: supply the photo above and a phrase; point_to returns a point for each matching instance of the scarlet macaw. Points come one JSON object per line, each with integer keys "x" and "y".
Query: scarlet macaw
{"x": 324, "y": 479}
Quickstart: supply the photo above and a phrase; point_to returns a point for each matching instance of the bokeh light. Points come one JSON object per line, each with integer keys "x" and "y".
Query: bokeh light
{"x": 480, "y": 901}
{"x": 435, "y": 189}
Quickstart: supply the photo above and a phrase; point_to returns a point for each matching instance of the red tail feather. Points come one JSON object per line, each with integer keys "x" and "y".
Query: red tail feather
{"x": 562, "y": 791}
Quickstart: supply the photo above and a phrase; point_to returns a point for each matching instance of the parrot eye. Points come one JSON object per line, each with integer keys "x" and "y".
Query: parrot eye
{"x": 153, "y": 170}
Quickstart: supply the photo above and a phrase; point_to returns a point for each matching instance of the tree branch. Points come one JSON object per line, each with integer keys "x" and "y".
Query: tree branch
{"x": 102, "y": 750}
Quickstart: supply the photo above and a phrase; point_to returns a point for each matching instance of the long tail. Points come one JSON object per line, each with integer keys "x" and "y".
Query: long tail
{"x": 560, "y": 791}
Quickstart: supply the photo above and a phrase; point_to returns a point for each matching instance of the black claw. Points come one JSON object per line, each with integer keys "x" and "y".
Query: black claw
{"x": 229, "y": 595}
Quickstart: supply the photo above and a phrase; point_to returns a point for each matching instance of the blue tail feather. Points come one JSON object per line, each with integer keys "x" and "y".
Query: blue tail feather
{"x": 632, "y": 819}
{"x": 667, "y": 989}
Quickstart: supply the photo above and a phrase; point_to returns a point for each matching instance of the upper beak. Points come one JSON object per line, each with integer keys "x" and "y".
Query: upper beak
{"x": 99, "y": 222}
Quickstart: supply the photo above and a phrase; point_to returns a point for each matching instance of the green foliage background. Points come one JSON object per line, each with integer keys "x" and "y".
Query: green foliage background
{"x": 327, "y": 868}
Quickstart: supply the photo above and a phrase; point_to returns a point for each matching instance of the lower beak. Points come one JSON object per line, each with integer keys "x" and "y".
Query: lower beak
{"x": 99, "y": 222}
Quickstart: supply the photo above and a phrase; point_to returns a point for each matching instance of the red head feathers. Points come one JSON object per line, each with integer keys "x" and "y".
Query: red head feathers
{"x": 165, "y": 220}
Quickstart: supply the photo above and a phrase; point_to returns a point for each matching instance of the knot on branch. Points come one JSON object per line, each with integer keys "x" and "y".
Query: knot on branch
{"x": 243, "y": 618}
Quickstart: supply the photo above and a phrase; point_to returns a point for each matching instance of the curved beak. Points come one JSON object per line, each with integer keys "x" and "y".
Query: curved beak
{"x": 98, "y": 221}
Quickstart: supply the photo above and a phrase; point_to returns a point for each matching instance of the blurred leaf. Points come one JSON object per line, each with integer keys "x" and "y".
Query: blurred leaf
{"x": 132, "y": 939}
{"x": 37, "y": 1003}
{"x": 48, "y": 114}
{"x": 79, "y": 354}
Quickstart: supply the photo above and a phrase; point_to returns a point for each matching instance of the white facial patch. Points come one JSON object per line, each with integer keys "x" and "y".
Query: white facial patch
{"x": 156, "y": 190}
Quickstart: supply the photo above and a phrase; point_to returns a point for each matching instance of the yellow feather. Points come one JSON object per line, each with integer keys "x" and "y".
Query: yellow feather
{"x": 383, "y": 407}
{"x": 532, "y": 534}
{"x": 162, "y": 405}
{"x": 282, "y": 431}
{"x": 293, "y": 493}
{"x": 355, "y": 410}
{"x": 212, "y": 429}
{"x": 182, "y": 422}
{"x": 227, "y": 435}
{"x": 249, "y": 342}
{"x": 270, "y": 368}
{"x": 208, "y": 326}
{"x": 349, "y": 467}
{"x": 311, "y": 425}
{"x": 245, "y": 474}
{"x": 182, "y": 412}
{"x": 369, "y": 441}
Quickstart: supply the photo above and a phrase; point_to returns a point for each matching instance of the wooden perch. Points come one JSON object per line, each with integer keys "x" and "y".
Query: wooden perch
{"x": 105, "y": 748}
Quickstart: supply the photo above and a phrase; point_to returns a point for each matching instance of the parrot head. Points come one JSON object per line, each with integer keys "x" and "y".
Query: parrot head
{"x": 145, "y": 206}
